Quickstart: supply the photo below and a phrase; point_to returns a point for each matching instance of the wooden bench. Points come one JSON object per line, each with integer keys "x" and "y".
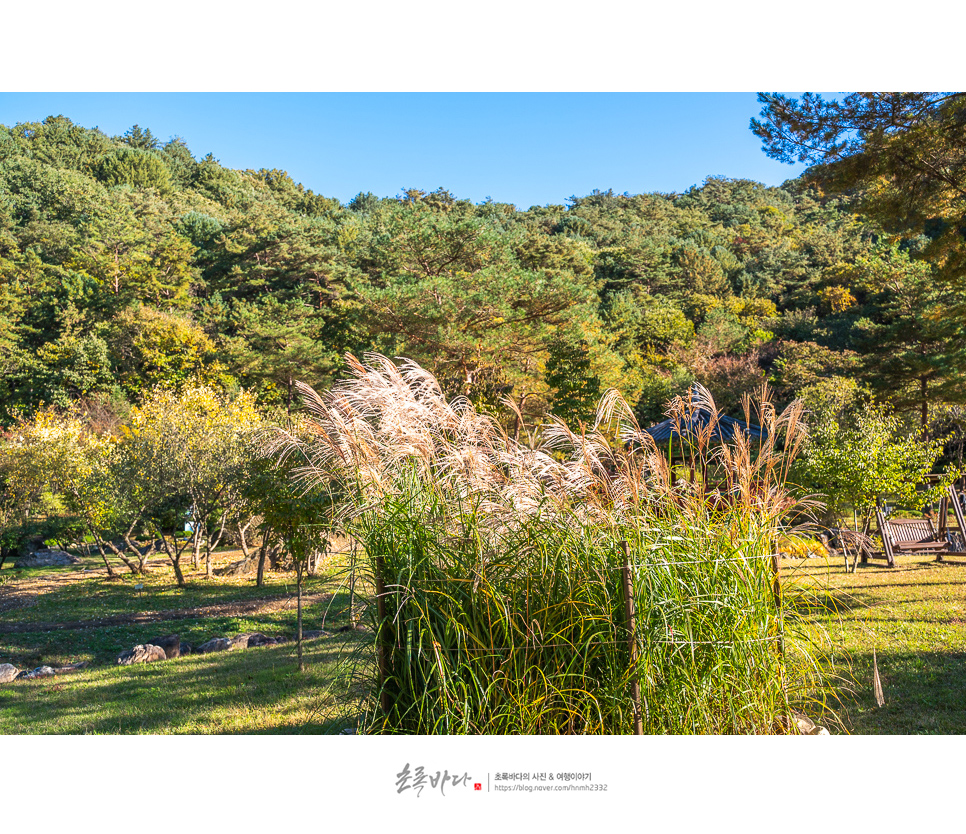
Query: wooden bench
{"x": 909, "y": 535}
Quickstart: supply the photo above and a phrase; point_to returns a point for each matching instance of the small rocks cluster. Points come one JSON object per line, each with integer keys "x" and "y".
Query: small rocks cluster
{"x": 169, "y": 647}
{"x": 807, "y": 727}
{"x": 160, "y": 648}
{"x": 10, "y": 673}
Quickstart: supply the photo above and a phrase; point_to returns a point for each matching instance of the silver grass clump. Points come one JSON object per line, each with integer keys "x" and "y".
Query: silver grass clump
{"x": 501, "y": 562}
{"x": 387, "y": 419}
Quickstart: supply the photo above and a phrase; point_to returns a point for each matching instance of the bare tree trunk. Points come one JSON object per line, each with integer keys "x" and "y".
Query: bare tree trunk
{"x": 221, "y": 530}
{"x": 176, "y": 562}
{"x": 133, "y": 548}
{"x": 262, "y": 556}
{"x": 107, "y": 564}
{"x": 101, "y": 542}
{"x": 142, "y": 555}
{"x": 135, "y": 569}
{"x": 196, "y": 544}
{"x": 863, "y": 550}
{"x": 242, "y": 530}
{"x": 925, "y": 410}
{"x": 174, "y": 556}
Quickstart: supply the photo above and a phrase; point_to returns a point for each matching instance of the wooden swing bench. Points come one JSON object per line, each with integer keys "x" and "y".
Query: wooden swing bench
{"x": 909, "y": 535}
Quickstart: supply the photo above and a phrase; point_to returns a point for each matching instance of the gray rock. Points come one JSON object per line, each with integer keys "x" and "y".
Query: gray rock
{"x": 261, "y": 640}
{"x": 8, "y": 672}
{"x": 141, "y": 654}
{"x": 72, "y": 667}
{"x": 241, "y": 568}
{"x": 250, "y": 641}
{"x": 216, "y": 644}
{"x": 46, "y": 559}
{"x": 185, "y": 649}
{"x": 39, "y": 672}
{"x": 171, "y": 645}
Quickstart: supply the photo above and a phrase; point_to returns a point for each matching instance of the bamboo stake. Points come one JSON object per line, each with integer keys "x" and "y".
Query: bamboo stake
{"x": 382, "y": 643}
{"x": 632, "y": 640}
{"x": 776, "y": 589}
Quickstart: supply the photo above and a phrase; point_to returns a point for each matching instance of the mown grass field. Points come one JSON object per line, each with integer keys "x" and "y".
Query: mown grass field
{"x": 913, "y": 616}
{"x": 251, "y": 691}
{"x": 256, "y": 690}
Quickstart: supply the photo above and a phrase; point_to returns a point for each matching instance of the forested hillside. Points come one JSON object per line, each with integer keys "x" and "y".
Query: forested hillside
{"x": 499, "y": 571}
{"x": 127, "y": 263}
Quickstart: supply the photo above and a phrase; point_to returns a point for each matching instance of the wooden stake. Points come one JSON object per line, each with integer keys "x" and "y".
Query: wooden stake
{"x": 776, "y": 589}
{"x": 632, "y": 640}
{"x": 383, "y": 641}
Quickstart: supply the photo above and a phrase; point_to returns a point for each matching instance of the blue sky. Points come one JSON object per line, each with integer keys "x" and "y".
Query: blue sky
{"x": 521, "y": 148}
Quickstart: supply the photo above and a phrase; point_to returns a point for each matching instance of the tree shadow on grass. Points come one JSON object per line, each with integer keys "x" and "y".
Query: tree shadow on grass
{"x": 923, "y": 694}
{"x": 824, "y": 601}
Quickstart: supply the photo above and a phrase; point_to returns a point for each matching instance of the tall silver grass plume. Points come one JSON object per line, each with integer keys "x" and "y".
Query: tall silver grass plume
{"x": 386, "y": 416}
{"x": 877, "y": 683}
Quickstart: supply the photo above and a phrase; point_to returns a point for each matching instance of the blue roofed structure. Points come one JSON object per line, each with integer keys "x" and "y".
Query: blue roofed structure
{"x": 690, "y": 427}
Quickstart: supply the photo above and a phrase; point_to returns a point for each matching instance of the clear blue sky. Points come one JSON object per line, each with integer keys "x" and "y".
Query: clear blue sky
{"x": 521, "y": 148}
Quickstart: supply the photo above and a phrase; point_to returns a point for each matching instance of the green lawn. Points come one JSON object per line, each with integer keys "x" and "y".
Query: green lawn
{"x": 914, "y": 617}
{"x": 250, "y": 691}
{"x": 255, "y": 690}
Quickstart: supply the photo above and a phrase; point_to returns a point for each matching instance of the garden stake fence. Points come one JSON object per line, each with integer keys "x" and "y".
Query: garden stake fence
{"x": 383, "y": 643}
{"x": 387, "y": 637}
{"x": 632, "y": 640}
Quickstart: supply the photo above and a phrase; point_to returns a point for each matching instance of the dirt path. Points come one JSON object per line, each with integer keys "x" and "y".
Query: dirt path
{"x": 24, "y": 593}
{"x": 265, "y": 605}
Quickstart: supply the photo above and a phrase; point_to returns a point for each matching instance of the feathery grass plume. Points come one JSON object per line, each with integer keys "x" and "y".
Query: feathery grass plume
{"x": 877, "y": 681}
{"x": 502, "y": 563}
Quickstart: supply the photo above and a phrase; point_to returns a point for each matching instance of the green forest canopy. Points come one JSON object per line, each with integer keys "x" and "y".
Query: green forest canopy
{"x": 126, "y": 263}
